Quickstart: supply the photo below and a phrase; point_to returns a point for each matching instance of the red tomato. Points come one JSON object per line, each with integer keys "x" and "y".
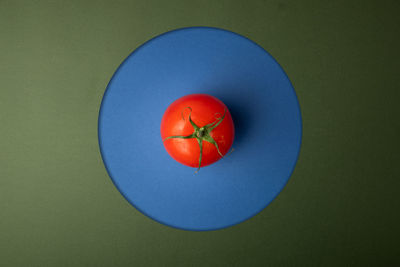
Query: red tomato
{"x": 197, "y": 130}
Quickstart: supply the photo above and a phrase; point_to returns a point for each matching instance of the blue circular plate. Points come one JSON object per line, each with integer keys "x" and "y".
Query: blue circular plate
{"x": 264, "y": 108}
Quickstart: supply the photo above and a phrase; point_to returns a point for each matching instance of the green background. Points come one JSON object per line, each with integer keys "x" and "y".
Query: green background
{"x": 58, "y": 207}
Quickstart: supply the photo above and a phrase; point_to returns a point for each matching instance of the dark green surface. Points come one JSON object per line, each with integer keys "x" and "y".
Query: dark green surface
{"x": 58, "y": 207}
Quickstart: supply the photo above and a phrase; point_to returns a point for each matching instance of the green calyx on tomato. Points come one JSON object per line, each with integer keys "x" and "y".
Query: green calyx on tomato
{"x": 201, "y": 134}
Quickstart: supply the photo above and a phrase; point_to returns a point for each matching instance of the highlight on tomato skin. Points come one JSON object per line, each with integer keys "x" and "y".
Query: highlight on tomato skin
{"x": 197, "y": 130}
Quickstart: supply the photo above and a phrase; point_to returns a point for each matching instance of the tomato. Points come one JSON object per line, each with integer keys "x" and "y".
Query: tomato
{"x": 197, "y": 130}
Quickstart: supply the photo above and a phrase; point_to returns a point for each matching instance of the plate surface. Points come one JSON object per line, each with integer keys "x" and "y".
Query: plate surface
{"x": 264, "y": 108}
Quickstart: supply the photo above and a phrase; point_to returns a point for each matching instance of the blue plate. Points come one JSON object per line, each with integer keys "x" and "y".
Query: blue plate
{"x": 264, "y": 108}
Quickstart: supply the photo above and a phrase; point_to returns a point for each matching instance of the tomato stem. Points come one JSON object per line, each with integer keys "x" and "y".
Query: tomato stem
{"x": 201, "y": 134}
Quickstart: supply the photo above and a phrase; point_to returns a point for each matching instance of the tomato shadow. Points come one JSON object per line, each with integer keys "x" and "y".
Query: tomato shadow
{"x": 241, "y": 114}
